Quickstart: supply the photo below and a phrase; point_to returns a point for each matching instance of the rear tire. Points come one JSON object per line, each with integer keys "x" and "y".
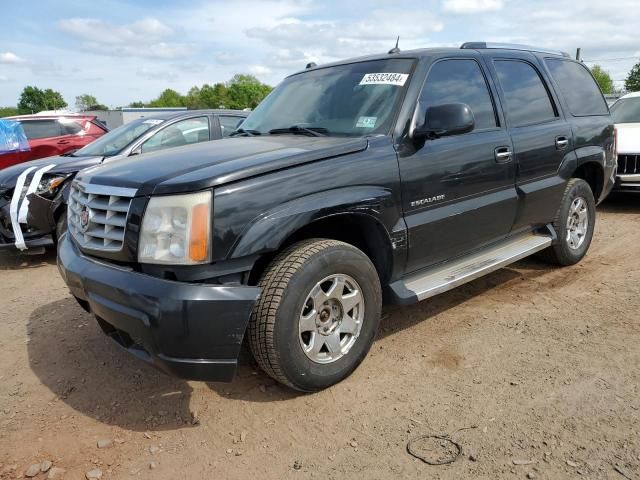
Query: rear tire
{"x": 317, "y": 316}
{"x": 574, "y": 224}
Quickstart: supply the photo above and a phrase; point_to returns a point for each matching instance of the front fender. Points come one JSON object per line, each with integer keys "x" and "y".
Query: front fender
{"x": 268, "y": 231}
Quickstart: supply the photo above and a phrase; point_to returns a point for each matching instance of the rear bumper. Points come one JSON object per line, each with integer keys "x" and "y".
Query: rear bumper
{"x": 193, "y": 331}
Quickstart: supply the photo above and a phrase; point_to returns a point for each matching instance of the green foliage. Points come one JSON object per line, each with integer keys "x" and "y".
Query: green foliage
{"x": 246, "y": 91}
{"x": 603, "y": 79}
{"x": 168, "y": 98}
{"x": 242, "y": 91}
{"x": 34, "y": 100}
{"x": 8, "y": 111}
{"x": 86, "y": 102}
{"x": 632, "y": 83}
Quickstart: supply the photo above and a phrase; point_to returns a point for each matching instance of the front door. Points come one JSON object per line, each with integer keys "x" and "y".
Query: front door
{"x": 458, "y": 191}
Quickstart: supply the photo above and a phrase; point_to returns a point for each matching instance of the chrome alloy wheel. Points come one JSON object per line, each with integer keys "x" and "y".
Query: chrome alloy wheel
{"x": 577, "y": 223}
{"x": 331, "y": 318}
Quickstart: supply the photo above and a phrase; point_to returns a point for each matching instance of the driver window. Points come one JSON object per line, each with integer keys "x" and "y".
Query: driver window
{"x": 185, "y": 132}
{"x": 459, "y": 81}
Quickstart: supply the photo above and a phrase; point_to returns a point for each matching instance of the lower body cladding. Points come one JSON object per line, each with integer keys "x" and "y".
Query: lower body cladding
{"x": 192, "y": 331}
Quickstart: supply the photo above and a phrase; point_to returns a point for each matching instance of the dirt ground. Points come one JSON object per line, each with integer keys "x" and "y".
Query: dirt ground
{"x": 538, "y": 366}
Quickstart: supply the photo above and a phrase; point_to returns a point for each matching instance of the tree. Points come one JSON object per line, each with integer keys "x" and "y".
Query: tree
{"x": 8, "y": 111}
{"x": 137, "y": 104}
{"x": 216, "y": 96}
{"x": 632, "y": 83}
{"x": 34, "y": 100}
{"x": 603, "y": 79}
{"x": 246, "y": 91}
{"x": 168, "y": 98}
{"x": 88, "y": 102}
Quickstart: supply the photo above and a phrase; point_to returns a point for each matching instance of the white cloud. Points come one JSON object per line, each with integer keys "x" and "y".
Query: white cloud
{"x": 472, "y": 6}
{"x": 4, "y": 78}
{"x": 10, "y": 58}
{"x": 143, "y": 38}
{"x": 259, "y": 70}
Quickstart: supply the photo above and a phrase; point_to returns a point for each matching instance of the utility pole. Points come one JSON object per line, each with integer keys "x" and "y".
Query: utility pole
{"x": 578, "y": 54}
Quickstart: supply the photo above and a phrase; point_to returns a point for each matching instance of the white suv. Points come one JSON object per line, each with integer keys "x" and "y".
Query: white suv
{"x": 626, "y": 115}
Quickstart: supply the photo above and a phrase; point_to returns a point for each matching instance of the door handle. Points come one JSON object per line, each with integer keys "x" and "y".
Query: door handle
{"x": 503, "y": 155}
{"x": 562, "y": 142}
{"x": 63, "y": 142}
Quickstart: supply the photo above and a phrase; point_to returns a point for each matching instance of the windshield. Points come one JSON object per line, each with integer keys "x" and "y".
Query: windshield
{"x": 346, "y": 100}
{"x": 113, "y": 142}
{"x": 626, "y": 110}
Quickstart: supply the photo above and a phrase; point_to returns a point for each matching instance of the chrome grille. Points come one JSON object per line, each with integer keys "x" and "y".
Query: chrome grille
{"x": 97, "y": 215}
{"x": 628, "y": 164}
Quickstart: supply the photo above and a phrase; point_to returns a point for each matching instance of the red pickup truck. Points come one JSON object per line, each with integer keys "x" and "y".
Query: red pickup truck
{"x": 48, "y": 135}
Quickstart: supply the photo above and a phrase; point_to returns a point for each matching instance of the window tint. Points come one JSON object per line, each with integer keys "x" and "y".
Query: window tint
{"x": 35, "y": 129}
{"x": 229, "y": 124}
{"x": 459, "y": 81}
{"x": 626, "y": 110}
{"x": 578, "y": 87}
{"x": 70, "y": 127}
{"x": 185, "y": 132}
{"x": 527, "y": 100}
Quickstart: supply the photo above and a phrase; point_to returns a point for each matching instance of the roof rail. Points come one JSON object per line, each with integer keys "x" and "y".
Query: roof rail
{"x": 512, "y": 46}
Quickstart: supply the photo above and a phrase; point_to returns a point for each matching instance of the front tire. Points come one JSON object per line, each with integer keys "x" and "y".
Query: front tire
{"x": 574, "y": 224}
{"x": 317, "y": 316}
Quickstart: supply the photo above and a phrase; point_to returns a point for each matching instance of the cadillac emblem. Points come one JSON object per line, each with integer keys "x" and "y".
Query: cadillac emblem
{"x": 84, "y": 219}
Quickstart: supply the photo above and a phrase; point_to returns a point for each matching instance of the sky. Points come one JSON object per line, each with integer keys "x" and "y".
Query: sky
{"x": 123, "y": 51}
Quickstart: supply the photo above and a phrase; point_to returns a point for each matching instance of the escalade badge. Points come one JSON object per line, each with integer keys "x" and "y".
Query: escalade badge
{"x": 84, "y": 219}
{"x": 426, "y": 201}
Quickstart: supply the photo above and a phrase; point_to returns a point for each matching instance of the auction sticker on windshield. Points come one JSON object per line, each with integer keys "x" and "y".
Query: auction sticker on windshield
{"x": 384, "y": 79}
{"x": 366, "y": 122}
{"x": 153, "y": 122}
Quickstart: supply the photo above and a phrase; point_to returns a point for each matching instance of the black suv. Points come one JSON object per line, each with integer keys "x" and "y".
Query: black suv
{"x": 404, "y": 175}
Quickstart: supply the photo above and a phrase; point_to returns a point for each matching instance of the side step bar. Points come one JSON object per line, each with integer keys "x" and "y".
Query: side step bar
{"x": 427, "y": 283}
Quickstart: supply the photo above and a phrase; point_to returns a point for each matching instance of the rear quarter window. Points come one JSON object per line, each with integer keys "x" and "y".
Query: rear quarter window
{"x": 580, "y": 90}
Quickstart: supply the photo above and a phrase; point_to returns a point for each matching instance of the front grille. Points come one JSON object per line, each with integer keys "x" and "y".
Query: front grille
{"x": 97, "y": 215}
{"x": 628, "y": 164}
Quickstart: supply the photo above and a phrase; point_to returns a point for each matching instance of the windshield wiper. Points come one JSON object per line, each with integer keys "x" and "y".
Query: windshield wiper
{"x": 311, "y": 131}
{"x": 69, "y": 154}
{"x": 248, "y": 133}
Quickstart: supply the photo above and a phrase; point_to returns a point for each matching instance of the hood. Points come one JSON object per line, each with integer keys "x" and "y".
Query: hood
{"x": 628, "y": 137}
{"x": 208, "y": 164}
{"x": 63, "y": 165}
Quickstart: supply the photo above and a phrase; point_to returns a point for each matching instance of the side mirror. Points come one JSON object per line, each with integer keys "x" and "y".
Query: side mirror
{"x": 444, "y": 120}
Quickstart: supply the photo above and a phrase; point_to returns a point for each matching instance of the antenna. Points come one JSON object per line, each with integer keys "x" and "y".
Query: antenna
{"x": 395, "y": 49}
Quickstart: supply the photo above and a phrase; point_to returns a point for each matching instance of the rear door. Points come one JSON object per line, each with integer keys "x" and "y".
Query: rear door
{"x": 540, "y": 134}
{"x": 458, "y": 191}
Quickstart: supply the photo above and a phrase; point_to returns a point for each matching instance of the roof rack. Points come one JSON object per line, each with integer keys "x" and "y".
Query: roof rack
{"x": 512, "y": 46}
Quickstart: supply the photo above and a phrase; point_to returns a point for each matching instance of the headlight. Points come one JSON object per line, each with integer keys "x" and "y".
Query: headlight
{"x": 49, "y": 186}
{"x": 176, "y": 230}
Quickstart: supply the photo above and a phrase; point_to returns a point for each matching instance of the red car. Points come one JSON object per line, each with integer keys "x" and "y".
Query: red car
{"x": 49, "y": 135}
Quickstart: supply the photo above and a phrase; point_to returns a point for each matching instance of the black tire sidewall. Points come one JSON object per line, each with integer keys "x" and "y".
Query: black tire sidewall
{"x": 301, "y": 371}
{"x": 569, "y": 255}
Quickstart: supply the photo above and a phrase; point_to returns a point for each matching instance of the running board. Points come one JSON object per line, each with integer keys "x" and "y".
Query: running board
{"x": 427, "y": 283}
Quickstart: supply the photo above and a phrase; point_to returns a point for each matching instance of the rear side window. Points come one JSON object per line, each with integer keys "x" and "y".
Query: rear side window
{"x": 35, "y": 129}
{"x": 229, "y": 123}
{"x": 578, "y": 87}
{"x": 70, "y": 127}
{"x": 459, "y": 81}
{"x": 527, "y": 99}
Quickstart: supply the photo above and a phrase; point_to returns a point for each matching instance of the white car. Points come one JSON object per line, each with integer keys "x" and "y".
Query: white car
{"x": 626, "y": 115}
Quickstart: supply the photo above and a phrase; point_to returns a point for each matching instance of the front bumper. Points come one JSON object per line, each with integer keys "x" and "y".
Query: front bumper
{"x": 627, "y": 183}
{"x": 193, "y": 331}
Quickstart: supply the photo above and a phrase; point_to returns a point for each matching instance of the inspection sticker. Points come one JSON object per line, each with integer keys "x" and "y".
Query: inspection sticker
{"x": 384, "y": 79}
{"x": 366, "y": 122}
{"x": 153, "y": 122}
